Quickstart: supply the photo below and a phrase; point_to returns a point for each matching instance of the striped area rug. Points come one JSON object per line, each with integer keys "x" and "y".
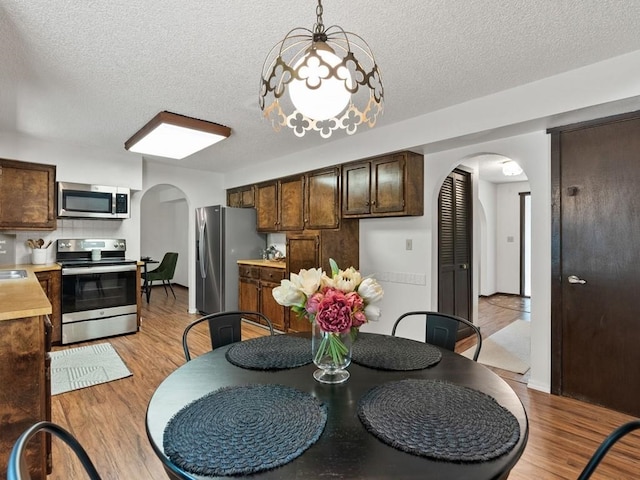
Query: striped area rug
{"x": 82, "y": 367}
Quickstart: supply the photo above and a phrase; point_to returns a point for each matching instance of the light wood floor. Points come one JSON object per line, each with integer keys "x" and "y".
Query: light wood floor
{"x": 108, "y": 419}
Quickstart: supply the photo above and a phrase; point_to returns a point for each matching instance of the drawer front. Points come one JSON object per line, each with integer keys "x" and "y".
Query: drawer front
{"x": 272, "y": 274}
{"x": 249, "y": 271}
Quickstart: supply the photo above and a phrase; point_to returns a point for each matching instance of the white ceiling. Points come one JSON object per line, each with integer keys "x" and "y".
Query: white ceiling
{"x": 91, "y": 72}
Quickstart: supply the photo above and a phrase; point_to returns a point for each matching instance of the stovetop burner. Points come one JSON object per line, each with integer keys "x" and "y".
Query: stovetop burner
{"x": 77, "y": 252}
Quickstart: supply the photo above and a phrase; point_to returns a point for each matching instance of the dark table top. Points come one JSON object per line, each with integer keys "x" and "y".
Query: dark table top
{"x": 345, "y": 449}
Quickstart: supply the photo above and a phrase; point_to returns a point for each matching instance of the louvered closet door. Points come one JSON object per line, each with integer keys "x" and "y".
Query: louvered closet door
{"x": 454, "y": 245}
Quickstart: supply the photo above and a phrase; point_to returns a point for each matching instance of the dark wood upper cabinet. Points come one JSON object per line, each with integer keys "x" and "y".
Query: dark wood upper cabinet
{"x": 279, "y": 204}
{"x": 27, "y": 196}
{"x": 322, "y": 199}
{"x": 267, "y": 206}
{"x": 241, "y": 197}
{"x": 386, "y": 186}
{"x": 290, "y": 203}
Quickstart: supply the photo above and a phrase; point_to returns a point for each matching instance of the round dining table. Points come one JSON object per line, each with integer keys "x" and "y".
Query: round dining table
{"x": 345, "y": 448}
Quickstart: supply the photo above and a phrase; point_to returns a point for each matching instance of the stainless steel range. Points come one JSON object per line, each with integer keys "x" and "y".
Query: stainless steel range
{"x": 98, "y": 289}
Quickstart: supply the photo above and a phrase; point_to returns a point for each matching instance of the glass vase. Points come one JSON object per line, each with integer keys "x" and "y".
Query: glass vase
{"x": 331, "y": 354}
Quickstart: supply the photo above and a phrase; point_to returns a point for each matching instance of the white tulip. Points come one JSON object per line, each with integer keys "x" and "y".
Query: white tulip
{"x": 370, "y": 290}
{"x": 308, "y": 280}
{"x": 288, "y": 295}
{"x": 372, "y": 313}
{"x": 347, "y": 280}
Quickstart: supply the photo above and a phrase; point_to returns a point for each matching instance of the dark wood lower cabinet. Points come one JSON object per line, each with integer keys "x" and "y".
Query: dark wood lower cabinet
{"x": 50, "y": 281}
{"x": 255, "y": 293}
{"x": 25, "y": 395}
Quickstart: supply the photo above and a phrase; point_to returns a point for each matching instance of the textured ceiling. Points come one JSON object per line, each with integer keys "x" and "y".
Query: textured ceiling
{"x": 91, "y": 72}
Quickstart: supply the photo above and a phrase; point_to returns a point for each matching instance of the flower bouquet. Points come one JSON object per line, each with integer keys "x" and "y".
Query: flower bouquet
{"x": 337, "y": 307}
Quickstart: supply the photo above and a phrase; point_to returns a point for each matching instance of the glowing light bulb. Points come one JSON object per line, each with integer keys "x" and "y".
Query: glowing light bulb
{"x": 331, "y": 97}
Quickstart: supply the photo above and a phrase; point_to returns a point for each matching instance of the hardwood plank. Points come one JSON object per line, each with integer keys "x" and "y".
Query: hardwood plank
{"x": 109, "y": 419}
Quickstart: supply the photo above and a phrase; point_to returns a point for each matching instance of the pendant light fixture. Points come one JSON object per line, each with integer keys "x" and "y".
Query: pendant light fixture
{"x": 321, "y": 80}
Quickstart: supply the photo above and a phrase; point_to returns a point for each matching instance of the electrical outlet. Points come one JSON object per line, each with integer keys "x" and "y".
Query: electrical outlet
{"x": 409, "y": 244}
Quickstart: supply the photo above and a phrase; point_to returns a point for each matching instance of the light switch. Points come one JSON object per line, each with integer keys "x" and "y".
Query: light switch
{"x": 409, "y": 244}
{"x": 510, "y": 239}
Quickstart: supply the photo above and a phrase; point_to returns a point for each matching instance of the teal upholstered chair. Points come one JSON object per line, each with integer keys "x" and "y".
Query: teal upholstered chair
{"x": 164, "y": 272}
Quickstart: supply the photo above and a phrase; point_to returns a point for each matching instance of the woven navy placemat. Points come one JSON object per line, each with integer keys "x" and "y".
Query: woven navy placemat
{"x": 271, "y": 353}
{"x": 385, "y": 352}
{"x": 243, "y": 429}
{"x": 439, "y": 420}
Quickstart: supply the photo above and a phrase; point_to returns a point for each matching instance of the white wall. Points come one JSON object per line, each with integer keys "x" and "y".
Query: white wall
{"x": 508, "y": 236}
{"x": 485, "y": 222}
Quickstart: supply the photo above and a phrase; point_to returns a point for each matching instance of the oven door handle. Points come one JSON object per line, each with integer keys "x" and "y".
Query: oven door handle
{"x": 103, "y": 269}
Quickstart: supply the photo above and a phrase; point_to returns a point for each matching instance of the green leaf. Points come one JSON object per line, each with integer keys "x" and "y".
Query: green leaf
{"x": 334, "y": 267}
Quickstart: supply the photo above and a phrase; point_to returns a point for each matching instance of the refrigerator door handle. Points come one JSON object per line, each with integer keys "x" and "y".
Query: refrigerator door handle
{"x": 203, "y": 271}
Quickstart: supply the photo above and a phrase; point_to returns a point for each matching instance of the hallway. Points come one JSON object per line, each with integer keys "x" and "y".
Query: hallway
{"x": 494, "y": 313}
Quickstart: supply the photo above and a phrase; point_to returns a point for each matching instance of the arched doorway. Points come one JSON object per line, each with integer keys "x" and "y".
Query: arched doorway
{"x": 164, "y": 227}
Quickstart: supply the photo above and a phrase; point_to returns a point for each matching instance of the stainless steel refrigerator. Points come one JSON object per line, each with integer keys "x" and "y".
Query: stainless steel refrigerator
{"x": 224, "y": 235}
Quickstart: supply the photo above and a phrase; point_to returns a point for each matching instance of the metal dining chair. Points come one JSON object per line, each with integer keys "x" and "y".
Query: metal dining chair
{"x": 17, "y": 467}
{"x": 604, "y": 447}
{"x": 224, "y": 328}
{"x": 442, "y": 329}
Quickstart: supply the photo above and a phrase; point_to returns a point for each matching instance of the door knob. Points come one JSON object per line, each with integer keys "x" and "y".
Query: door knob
{"x": 575, "y": 279}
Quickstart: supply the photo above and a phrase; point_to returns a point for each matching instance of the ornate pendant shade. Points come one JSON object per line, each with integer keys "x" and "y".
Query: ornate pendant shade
{"x": 321, "y": 80}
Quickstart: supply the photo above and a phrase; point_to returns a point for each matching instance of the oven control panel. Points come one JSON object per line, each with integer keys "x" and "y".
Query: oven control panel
{"x": 89, "y": 244}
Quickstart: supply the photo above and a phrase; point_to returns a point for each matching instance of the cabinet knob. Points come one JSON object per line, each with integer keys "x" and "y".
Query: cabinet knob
{"x": 373, "y": 203}
{"x": 366, "y": 204}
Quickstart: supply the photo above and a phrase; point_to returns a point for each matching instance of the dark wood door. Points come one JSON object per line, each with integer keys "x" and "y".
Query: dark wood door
{"x": 596, "y": 314}
{"x": 454, "y": 245}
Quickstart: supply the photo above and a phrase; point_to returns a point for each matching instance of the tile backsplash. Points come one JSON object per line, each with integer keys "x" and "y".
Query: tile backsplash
{"x": 66, "y": 228}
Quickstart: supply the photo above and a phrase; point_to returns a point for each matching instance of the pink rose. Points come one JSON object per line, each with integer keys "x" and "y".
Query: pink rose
{"x": 359, "y": 319}
{"x": 313, "y": 302}
{"x": 334, "y": 312}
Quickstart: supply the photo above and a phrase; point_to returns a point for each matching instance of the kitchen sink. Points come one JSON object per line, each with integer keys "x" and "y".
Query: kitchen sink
{"x": 12, "y": 274}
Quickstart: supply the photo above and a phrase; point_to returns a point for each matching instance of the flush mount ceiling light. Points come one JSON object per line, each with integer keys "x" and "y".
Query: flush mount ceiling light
{"x": 323, "y": 80}
{"x": 511, "y": 168}
{"x": 175, "y": 136}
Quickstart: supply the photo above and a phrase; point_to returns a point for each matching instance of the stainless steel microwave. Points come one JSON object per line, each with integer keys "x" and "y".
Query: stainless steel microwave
{"x": 79, "y": 200}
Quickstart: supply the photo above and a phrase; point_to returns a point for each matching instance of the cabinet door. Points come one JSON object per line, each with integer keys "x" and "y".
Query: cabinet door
{"x": 322, "y": 199}
{"x": 269, "y": 307}
{"x": 25, "y": 399}
{"x": 387, "y": 184}
{"x": 302, "y": 252}
{"x": 234, "y": 198}
{"x": 267, "y": 207}
{"x": 356, "y": 182}
{"x": 248, "y": 294}
{"x": 247, "y": 197}
{"x": 27, "y": 196}
{"x": 290, "y": 203}
{"x": 50, "y": 282}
